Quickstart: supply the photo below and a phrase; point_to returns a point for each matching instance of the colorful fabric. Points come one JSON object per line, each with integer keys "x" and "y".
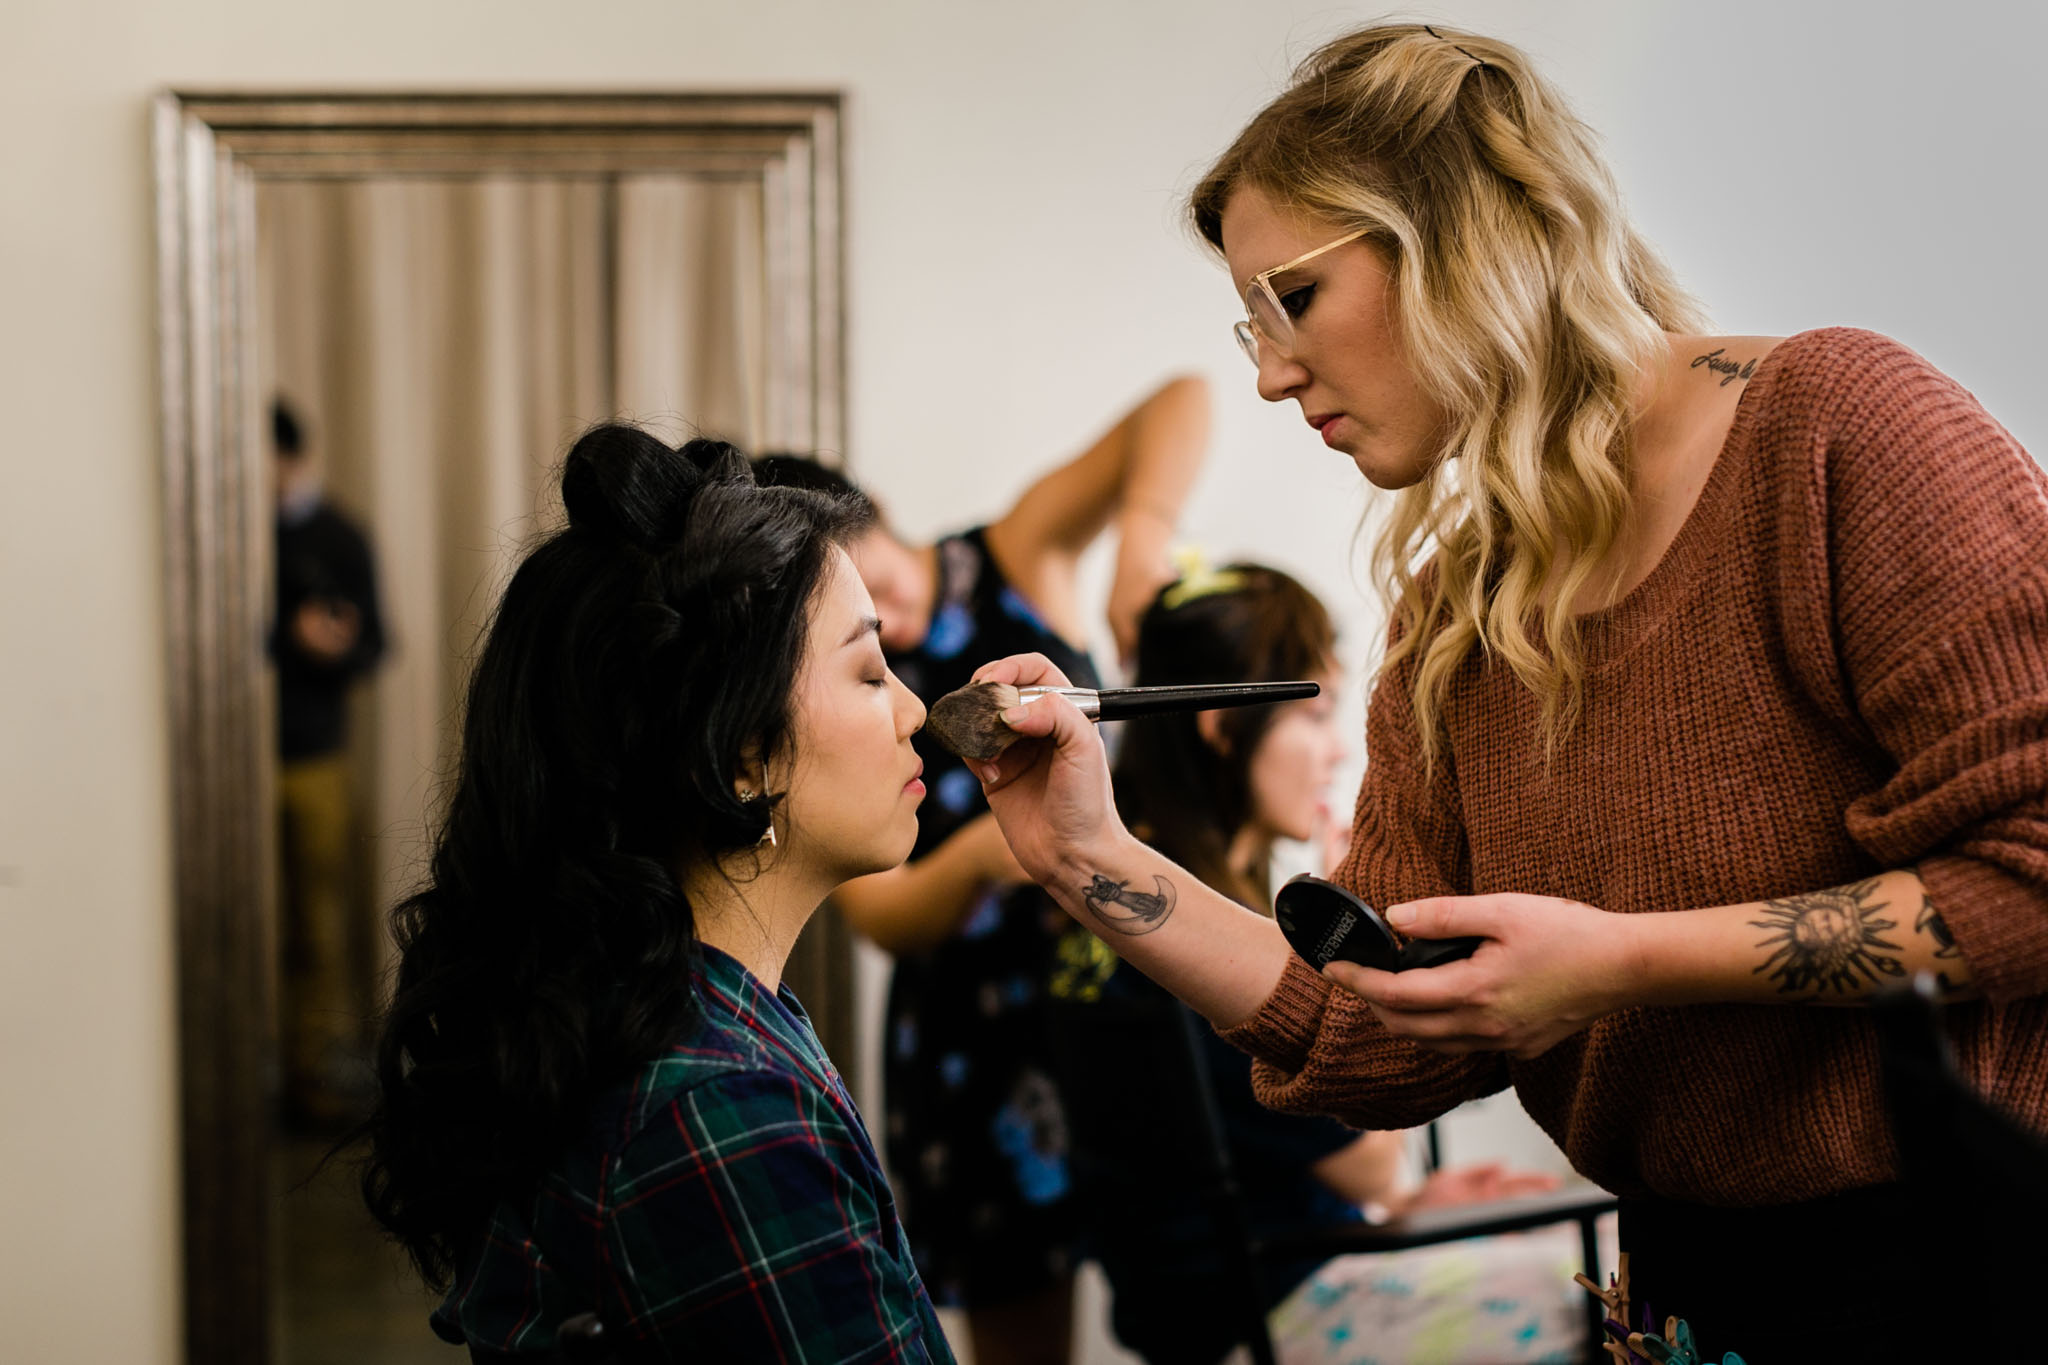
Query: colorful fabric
{"x": 976, "y": 1135}
{"x": 727, "y": 1205}
{"x": 1483, "y": 1301}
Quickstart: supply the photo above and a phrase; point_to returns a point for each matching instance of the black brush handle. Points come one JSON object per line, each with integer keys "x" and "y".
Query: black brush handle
{"x": 1126, "y": 703}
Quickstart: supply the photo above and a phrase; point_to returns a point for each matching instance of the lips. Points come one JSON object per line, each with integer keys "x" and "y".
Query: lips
{"x": 1326, "y": 425}
{"x": 916, "y": 773}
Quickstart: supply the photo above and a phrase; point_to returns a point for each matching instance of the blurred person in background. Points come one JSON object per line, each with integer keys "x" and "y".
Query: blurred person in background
{"x": 326, "y": 636}
{"x": 1216, "y": 791}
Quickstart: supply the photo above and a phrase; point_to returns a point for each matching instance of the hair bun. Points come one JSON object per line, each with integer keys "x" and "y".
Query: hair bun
{"x": 624, "y": 484}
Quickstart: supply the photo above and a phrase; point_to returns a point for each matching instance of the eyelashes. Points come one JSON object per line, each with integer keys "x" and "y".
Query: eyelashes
{"x": 1295, "y": 301}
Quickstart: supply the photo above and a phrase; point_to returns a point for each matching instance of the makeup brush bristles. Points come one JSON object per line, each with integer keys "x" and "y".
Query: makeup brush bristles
{"x": 970, "y": 721}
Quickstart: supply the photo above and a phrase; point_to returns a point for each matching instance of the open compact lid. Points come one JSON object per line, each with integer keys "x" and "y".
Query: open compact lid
{"x": 1324, "y": 923}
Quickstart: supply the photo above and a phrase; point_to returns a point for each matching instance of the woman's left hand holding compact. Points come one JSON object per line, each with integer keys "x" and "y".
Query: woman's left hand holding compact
{"x": 1548, "y": 969}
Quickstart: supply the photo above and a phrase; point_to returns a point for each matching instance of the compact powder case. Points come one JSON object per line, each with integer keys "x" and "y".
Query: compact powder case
{"x": 1325, "y": 923}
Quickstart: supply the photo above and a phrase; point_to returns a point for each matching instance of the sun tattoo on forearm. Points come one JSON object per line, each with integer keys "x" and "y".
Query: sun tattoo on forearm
{"x": 1829, "y": 941}
{"x": 1127, "y": 911}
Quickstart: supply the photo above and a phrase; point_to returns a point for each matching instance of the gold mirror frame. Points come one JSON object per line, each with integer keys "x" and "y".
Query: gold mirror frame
{"x": 210, "y": 153}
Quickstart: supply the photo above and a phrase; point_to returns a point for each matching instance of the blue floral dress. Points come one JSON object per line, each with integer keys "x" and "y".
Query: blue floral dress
{"x": 975, "y": 1133}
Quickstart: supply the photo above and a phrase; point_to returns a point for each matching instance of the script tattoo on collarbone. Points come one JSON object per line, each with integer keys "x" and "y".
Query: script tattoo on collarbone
{"x": 1729, "y": 370}
{"x": 1127, "y": 911}
{"x": 1829, "y": 941}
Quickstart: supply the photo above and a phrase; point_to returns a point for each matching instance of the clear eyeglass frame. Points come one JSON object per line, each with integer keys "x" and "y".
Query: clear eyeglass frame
{"x": 1263, "y": 314}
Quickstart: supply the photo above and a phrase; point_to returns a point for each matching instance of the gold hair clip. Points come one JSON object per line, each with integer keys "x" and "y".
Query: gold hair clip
{"x": 1197, "y": 579}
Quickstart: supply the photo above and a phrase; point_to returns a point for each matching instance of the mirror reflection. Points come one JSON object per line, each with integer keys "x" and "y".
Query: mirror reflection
{"x": 428, "y": 347}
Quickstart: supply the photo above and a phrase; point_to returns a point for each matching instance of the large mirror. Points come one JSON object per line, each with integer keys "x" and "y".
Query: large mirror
{"x": 382, "y": 320}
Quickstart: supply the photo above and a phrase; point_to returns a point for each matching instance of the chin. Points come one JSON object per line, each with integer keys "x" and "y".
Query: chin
{"x": 897, "y": 851}
{"x": 1390, "y": 479}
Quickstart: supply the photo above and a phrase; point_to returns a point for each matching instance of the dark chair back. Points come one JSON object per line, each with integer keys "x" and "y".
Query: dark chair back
{"x": 1137, "y": 1092}
{"x": 1137, "y": 1089}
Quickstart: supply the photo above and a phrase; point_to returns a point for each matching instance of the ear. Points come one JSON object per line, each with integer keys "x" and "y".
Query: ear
{"x": 1209, "y": 725}
{"x": 750, "y": 778}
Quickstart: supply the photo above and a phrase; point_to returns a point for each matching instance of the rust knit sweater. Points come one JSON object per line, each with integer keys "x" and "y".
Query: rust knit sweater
{"x": 1839, "y": 667}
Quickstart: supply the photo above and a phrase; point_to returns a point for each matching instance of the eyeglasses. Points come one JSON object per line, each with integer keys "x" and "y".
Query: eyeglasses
{"x": 1264, "y": 316}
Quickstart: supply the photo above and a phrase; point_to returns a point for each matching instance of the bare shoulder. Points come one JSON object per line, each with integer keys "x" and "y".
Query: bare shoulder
{"x": 1692, "y": 409}
{"x": 1703, "y": 383}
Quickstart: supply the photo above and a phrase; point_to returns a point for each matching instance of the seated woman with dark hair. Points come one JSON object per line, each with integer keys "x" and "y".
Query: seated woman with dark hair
{"x": 595, "y": 1095}
{"x": 1215, "y": 791}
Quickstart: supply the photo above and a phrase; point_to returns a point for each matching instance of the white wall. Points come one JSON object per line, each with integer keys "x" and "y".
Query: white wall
{"x": 1017, "y": 273}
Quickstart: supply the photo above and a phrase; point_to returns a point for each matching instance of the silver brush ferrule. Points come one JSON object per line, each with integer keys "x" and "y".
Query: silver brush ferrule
{"x": 1086, "y": 699}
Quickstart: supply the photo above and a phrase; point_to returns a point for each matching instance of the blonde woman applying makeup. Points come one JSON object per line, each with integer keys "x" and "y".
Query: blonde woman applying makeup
{"x": 1717, "y": 684}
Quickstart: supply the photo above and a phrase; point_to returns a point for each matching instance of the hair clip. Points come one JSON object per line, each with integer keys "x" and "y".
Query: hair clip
{"x": 1197, "y": 579}
{"x": 1431, "y": 31}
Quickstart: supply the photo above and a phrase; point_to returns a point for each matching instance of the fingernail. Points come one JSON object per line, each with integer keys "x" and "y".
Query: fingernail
{"x": 1016, "y": 713}
{"x": 991, "y": 773}
{"x": 1401, "y": 916}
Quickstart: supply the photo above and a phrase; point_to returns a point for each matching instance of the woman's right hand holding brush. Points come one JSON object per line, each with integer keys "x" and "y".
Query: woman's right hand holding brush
{"x": 1050, "y": 791}
{"x": 1052, "y": 798}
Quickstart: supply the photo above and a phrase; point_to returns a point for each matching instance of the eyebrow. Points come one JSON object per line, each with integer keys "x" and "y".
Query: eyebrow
{"x": 869, "y": 625}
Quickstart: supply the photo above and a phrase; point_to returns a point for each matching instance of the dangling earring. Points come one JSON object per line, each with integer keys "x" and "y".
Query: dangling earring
{"x": 748, "y": 796}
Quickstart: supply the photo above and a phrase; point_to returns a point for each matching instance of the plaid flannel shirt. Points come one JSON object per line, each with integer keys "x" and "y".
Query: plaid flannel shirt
{"x": 728, "y": 1206}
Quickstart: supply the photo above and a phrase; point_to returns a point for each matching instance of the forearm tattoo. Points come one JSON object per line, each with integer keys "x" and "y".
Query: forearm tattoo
{"x": 1127, "y": 911}
{"x": 1931, "y": 924}
{"x": 1830, "y": 941}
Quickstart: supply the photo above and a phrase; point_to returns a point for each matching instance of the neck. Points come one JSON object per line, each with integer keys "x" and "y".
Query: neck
{"x": 927, "y": 557}
{"x": 1250, "y": 853}
{"x": 752, "y": 917}
{"x": 1671, "y": 444}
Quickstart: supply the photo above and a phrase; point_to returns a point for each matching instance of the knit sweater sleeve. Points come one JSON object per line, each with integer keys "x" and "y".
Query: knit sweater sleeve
{"x": 1320, "y": 1050}
{"x": 1936, "y": 550}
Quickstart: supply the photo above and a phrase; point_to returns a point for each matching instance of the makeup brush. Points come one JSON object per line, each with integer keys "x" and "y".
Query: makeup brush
{"x": 970, "y": 721}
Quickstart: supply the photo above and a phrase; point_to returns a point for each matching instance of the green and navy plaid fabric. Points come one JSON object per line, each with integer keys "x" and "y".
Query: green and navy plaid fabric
{"x": 728, "y": 1206}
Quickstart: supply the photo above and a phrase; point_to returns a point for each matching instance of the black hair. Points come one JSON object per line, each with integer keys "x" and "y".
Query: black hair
{"x": 287, "y": 433}
{"x": 784, "y": 469}
{"x": 1179, "y": 793}
{"x": 638, "y": 659}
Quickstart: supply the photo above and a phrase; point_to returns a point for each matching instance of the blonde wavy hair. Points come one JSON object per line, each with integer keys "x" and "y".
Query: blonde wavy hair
{"x": 1529, "y": 308}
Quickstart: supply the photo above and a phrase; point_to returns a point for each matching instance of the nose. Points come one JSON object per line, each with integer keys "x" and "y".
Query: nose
{"x": 909, "y": 710}
{"x": 1280, "y": 377}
